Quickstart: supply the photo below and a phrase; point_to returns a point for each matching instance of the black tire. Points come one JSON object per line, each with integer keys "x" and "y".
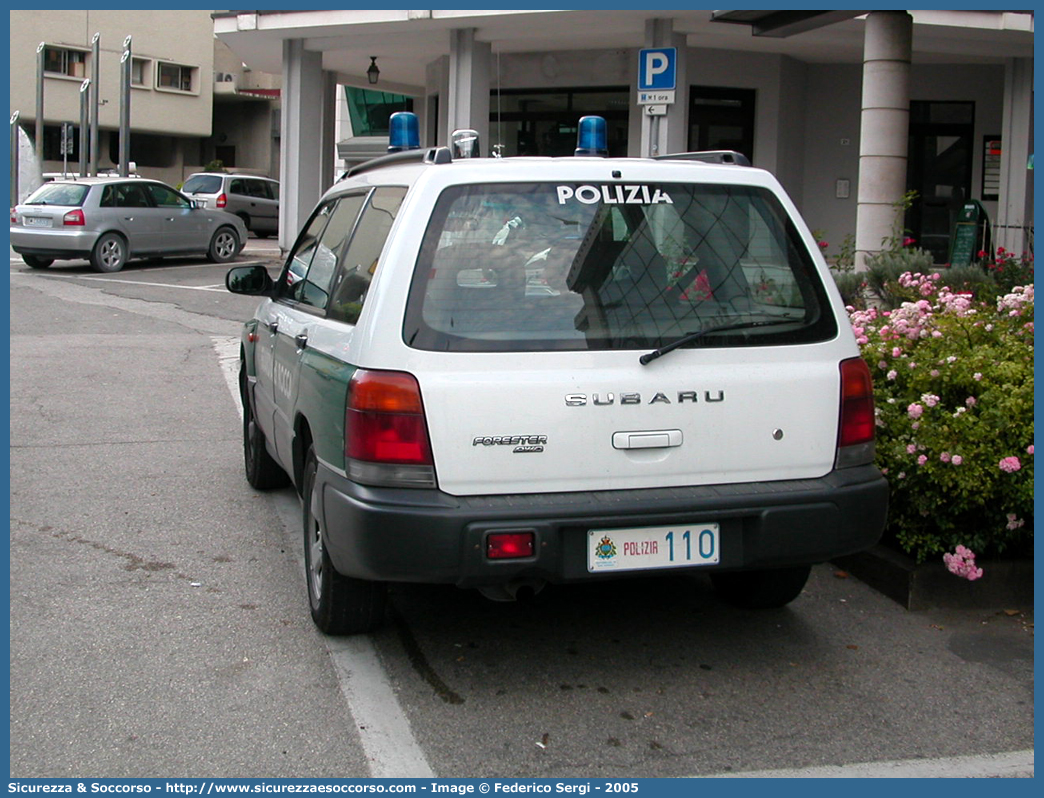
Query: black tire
{"x": 36, "y": 262}
{"x": 262, "y": 471}
{"x": 224, "y": 246}
{"x": 340, "y": 605}
{"x": 109, "y": 253}
{"x": 761, "y": 590}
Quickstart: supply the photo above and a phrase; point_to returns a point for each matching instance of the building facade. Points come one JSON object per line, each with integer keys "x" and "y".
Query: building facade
{"x": 849, "y": 109}
{"x": 181, "y": 116}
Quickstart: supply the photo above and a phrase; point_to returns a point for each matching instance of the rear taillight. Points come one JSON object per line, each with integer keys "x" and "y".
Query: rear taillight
{"x": 386, "y": 434}
{"x": 222, "y": 201}
{"x": 855, "y": 437}
{"x": 14, "y": 216}
{"x": 73, "y": 218}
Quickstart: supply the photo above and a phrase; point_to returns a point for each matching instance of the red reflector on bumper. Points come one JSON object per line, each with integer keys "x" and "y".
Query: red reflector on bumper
{"x": 509, "y": 545}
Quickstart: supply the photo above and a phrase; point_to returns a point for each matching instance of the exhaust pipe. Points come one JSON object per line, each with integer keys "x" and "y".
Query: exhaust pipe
{"x": 516, "y": 590}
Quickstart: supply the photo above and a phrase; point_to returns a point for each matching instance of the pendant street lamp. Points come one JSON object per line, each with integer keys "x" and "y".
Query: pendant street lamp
{"x": 373, "y": 72}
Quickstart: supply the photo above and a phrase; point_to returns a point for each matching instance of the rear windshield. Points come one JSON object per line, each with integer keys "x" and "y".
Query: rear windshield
{"x": 59, "y": 194}
{"x": 202, "y": 184}
{"x": 529, "y": 267}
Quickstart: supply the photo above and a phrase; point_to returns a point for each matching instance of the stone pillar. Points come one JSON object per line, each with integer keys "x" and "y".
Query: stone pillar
{"x": 1015, "y": 203}
{"x": 665, "y": 134}
{"x": 301, "y": 153}
{"x": 467, "y": 105}
{"x": 884, "y": 128}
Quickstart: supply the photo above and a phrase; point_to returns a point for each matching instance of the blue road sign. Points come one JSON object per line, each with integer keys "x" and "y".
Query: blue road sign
{"x": 656, "y": 69}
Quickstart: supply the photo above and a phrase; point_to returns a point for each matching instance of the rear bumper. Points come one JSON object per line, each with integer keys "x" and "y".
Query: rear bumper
{"x": 428, "y": 536}
{"x": 52, "y": 242}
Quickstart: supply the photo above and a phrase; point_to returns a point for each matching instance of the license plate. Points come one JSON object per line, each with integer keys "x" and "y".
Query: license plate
{"x": 37, "y": 221}
{"x": 653, "y": 547}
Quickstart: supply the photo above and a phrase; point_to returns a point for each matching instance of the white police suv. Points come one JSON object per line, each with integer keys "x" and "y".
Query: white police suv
{"x": 498, "y": 373}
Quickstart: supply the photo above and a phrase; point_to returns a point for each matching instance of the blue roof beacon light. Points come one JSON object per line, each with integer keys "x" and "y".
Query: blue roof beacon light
{"x": 591, "y": 137}
{"x": 403, "y": 132}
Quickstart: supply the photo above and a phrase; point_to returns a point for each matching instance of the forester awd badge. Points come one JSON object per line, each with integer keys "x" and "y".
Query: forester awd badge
{"x": 523, "y": 444}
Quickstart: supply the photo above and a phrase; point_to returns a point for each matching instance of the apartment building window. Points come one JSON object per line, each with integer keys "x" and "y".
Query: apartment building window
{"x": 139, "y": 72}
{"x": 175, "y": 76}
{"x": 62, "y": 61}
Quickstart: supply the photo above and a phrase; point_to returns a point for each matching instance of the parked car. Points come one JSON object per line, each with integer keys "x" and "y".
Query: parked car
{"x": 253, "y": 199}
{"x": 498, "y": 373}
{"x": 109, "y": 220}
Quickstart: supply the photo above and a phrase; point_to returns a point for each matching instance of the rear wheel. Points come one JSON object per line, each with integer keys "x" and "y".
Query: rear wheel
{"x": 109, "y": 253}
{"x": 340, "y": 605}
{"x": 36, "y": 262}
{"x": 760, "y": 590}
{"x": 223, "y": 246}
{"x": 262, "y": 471}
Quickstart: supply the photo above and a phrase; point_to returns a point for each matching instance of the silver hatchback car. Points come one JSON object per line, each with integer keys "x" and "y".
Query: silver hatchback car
{"x": 109, "y": 220}
{"x": 253, "y": 199}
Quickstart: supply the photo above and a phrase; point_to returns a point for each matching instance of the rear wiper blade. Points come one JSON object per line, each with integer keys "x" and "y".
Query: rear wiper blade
{"x": 649, "y": 357}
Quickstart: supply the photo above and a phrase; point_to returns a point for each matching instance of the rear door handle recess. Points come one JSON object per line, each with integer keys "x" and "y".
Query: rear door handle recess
{"x": 647, "y": 439}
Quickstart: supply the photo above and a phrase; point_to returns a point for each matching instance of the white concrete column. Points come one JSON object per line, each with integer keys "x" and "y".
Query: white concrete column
{"x": 467, "y": 105}
{"x": 884, "y": 128}
{"x": 665, "y": 134}
{"x": 303, "y": 153}
{"x": 1015, "y": 205}
{"x": 328, "y": 132}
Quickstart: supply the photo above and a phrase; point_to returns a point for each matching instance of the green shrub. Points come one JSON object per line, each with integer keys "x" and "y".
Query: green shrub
{"x": 1007, "y": 269}
{"x": 953, "y": 382}
{"x": 852, "y": 286}
{"x": 884, "y": 269}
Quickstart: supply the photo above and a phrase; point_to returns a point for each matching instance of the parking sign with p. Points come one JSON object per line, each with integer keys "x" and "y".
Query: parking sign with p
{"x": 656, "y": 69}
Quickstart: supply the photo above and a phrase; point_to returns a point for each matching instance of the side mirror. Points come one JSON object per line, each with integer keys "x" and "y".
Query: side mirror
{"x": 250, "y": 280}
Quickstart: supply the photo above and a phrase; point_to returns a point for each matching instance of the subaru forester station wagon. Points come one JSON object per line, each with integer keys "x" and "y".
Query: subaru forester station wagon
{"x": 503, "y": 373}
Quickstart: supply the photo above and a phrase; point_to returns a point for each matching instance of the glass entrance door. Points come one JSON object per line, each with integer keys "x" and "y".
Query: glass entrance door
{"x": 722, "y": 119}
{"x": 939, "y": 169}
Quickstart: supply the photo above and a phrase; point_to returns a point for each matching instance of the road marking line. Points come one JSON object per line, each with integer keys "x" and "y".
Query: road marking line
{"x": 390, "y": 747}
{"x": 1015, "y": 764}
{"x": 228, "y": 360}
{"x": 219, "y": 287}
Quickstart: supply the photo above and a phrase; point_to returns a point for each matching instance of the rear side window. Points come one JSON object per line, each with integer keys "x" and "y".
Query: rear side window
{"x": 529, "y": 267}
{"x": 131, "y": 195}
{"x": 358, "y": 264}
{"x": 202, "y": 184}
{"x": 59, "y": 194}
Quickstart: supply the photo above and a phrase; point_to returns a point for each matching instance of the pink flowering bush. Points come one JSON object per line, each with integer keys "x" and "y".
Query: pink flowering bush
{"x": 953, "y": 380}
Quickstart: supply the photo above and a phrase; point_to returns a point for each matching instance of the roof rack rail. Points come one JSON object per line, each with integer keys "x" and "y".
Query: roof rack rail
{"x": 432, "y": 155}
{"x": 707, "y": 156}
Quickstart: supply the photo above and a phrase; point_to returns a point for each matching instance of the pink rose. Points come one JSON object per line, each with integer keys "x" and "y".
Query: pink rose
{"x": 1009, "y": 465}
